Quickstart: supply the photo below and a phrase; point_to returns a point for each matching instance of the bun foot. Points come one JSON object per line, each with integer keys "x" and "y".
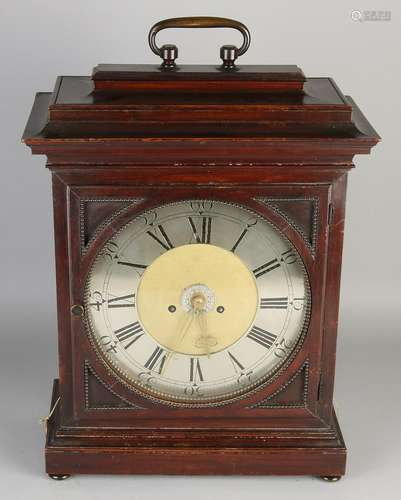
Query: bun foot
{"x": 330, "y": 479}
{"x": 59, "y": 477}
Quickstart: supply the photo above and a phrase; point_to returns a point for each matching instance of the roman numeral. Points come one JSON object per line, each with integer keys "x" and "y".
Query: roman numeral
{"x": 206, "y": 230}
{"x": 131, "y": 264}
{"x": 266, "y": 268}
{"x": 115, "y": 301}
{"x": 156, "y": 360}
{"x": 262, "y": 337}
{"x": 274, "y": 303}
{"x": 164, "y": 241}
{"x": 235, "y": 362}
{"x": 195, "y": 371}
{"x": 239, "y": 240}
{"x": 131, "y": 332}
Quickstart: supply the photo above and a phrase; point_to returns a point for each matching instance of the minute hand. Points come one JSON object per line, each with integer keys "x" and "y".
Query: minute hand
{"x": 183, "y": 332}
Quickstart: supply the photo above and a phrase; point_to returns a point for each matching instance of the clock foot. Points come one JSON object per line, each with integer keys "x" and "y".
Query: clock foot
{"x": 59, "y": 477}
{"x": 330, "y": 479}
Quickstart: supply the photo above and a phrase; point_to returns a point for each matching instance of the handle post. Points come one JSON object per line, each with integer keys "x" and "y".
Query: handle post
{"x": 228, "y": 53}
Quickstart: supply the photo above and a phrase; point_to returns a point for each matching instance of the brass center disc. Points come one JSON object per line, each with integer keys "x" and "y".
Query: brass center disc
{"x": 200, "y": 333}
{"x": 198, "y": 302}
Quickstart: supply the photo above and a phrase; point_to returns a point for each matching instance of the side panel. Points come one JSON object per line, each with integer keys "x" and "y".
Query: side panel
{"x": 332, "y": 295}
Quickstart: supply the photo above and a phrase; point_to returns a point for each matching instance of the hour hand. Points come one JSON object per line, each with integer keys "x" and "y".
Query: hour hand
{"x": 204, "y": 341}
{"x": 182, "y": 331}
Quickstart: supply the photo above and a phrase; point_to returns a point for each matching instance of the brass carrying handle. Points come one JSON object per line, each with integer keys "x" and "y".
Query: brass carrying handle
{"x": 228, "y": 53}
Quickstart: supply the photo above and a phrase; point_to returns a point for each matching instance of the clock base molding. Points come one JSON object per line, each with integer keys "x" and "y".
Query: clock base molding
{"x": 325, "y": 457}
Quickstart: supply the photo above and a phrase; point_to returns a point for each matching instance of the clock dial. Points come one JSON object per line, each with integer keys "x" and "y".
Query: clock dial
{"x": 197, "y": 302}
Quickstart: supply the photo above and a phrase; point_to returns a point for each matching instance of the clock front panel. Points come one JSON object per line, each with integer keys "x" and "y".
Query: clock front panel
{"x": 197, "y": 303}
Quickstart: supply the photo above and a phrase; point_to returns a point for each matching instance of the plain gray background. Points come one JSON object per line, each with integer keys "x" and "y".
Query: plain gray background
{"x": 40, "y": 39}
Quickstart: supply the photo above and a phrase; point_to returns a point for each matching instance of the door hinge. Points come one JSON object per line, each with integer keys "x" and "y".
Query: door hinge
{"x": 330, "y": 214}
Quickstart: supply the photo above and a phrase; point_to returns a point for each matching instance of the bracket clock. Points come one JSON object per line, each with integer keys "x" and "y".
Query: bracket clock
{"x": 198, "y": 217}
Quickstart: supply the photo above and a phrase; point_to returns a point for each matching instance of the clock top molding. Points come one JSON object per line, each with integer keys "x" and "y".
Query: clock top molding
{"x": 198, "y": 114}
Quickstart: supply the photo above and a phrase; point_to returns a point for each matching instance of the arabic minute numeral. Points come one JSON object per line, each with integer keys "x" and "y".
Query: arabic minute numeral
{"x": 98, "y": 300}
{"x": 110, "y": 251}
{"x": 298, "y": 303}
{"x": 150, "y": 218}
{"x": 193, "y": 390}
{"x": 146, "y": 378}
{"x": 201, "y": 206}
{"x": 245, "y": 377}
{"x": 109, "y": 343}
{"x": 282, "y": 348}
{"x": 289, "y": 257}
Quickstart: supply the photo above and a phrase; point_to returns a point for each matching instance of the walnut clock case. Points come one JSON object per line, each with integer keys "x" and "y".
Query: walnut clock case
{"x": 199, "y": 217}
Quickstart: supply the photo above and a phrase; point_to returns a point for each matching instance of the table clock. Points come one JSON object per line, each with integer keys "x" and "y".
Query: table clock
{"x": 198, "y": 222}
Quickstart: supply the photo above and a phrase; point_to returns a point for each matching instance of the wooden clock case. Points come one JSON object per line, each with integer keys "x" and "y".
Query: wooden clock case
{"x": 134, "y": 137}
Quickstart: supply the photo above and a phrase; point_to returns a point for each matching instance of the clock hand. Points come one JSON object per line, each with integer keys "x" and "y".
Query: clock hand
{"x": 197, "y": 312}
{"x": 183, "y": 331}
{"x": 203, "y": 340}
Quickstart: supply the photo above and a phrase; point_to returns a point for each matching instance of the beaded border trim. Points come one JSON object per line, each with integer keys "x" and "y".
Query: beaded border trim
{"x": 264, "y": 404}
{"x": 315, "y": 218}
{"x": 82, "y": 219}
{"x": 89, "y": 370}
